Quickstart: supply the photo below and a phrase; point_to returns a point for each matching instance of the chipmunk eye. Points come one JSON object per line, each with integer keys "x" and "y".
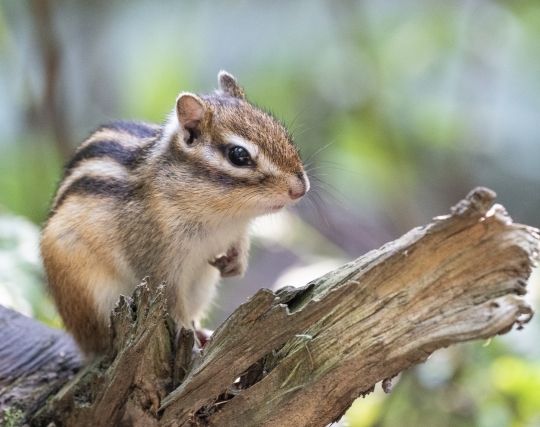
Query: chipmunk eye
{"x": 239, "y": 156}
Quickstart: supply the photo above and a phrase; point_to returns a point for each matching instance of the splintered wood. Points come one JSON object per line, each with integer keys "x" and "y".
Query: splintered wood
{"x": 459, "y": 278}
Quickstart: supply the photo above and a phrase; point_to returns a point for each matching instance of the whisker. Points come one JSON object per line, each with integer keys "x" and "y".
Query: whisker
{"x": 318, "y": 205}
{"x": 330, "y": 192}
{"x": 319, "y": 150}
{"x": 333, "y": 167}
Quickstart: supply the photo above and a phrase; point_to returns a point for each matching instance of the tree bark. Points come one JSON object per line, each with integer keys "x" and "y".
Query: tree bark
{"x": 459, "y": 278}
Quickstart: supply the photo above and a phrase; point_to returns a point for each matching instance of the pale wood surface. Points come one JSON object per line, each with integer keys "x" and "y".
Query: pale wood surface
{"x": 301, "y": 356}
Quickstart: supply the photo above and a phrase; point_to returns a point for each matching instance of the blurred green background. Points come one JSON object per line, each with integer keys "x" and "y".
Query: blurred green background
{"x": 400, "y": 108}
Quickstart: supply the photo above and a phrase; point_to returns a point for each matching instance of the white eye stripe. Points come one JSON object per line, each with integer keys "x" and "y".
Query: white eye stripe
{"x": 267, "y": 166}
{"x": 251, "y": 148}
{"x": 264, "y": 163}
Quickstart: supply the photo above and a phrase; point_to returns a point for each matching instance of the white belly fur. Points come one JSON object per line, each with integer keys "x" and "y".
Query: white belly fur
{"x": 194, "y": 279}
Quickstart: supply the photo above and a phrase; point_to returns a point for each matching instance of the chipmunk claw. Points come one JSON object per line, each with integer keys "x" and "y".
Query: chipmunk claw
{"x": 229, "y": 264}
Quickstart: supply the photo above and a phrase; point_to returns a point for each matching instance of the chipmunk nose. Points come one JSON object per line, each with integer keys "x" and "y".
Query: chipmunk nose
{"x": 298, "y": 185}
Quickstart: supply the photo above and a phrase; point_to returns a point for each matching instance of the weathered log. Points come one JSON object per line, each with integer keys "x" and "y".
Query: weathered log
{"x": 35, "y": 361}
{"x": 462, "y": 277}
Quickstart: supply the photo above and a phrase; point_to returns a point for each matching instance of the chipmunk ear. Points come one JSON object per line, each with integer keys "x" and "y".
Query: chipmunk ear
{"x": 190, "y": 110}
{"x": 227, "y": 83}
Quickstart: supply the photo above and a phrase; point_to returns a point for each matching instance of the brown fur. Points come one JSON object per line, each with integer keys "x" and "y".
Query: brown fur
{"x": 73, "y": 248}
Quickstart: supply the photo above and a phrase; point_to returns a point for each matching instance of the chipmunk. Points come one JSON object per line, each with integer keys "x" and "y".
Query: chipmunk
{"x": 172, "y": 202}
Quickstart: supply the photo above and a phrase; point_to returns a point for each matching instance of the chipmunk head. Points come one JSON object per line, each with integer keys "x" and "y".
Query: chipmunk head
{"x": 245, "y": 156}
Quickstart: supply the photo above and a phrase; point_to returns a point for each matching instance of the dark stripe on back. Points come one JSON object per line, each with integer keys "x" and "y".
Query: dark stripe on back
{"x": 110, "y": 187}
{"x": 129, "y": 157}
{"x": 138, "y": 129}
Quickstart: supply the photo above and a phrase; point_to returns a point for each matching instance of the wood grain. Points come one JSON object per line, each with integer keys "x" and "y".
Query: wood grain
{"x": 299, "y": 357}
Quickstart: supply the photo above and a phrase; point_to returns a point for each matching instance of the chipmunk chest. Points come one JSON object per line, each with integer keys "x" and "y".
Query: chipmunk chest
{"x": 198, "y": 243}
{"x": 189, "y": 258}
{"x": 213, "y": 242}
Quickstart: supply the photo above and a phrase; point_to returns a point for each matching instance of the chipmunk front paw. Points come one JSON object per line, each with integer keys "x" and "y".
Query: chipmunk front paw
{"x": 230, "y": 264}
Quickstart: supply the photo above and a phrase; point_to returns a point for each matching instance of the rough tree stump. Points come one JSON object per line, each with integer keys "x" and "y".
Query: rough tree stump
{"x": 459, "y": 278}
